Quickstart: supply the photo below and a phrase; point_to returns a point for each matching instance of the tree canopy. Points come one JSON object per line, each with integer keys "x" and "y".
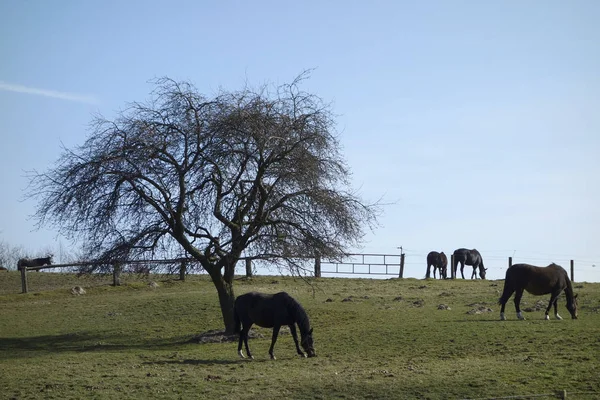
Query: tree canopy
{"x": 257, "y": 173}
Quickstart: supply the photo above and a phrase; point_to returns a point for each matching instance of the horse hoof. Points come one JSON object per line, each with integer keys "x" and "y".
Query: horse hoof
{"x": 241, "y": 355}
{"x": 558, "y": 317}
{"x": 547, "y": 317}
{"x": 502, "y": 317}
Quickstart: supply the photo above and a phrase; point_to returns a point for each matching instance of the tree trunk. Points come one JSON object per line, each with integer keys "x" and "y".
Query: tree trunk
{"x": 226, "y": 300}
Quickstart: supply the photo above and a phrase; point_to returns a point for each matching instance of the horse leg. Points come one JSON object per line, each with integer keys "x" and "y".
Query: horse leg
{"x": 240, "y": 352}
{"x": 503, "y": 304}
{"x": 462, "y": 267}
{"x": 553, "y": 301}
{"x": 244, "y": 336}
{"x": 295, "y": 336}
{"x": 434, "y": 269}
{"x": 428, "y": 275}
{"x": 518, "y": 295}
{"x": 273, "y": 340}
{"x": 474, "y": 274}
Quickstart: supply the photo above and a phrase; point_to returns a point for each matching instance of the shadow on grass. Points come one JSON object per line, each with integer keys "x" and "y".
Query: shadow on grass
{"x": 83, "y": 342}
{"x": 199, "y": 362}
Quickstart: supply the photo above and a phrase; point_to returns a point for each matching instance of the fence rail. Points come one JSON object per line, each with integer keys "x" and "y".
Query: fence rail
{"x": 352, "y": 264}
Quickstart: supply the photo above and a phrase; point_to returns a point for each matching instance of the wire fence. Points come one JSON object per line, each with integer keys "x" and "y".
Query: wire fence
{"x": 496, "y": 262}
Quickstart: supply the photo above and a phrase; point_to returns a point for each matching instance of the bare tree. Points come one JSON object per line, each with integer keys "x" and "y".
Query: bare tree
{"x": 254, "y": 172}
{"x": 10, "y": 255}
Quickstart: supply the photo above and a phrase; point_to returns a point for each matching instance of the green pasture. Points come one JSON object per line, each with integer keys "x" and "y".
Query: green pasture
{"x": 375, "y": 339}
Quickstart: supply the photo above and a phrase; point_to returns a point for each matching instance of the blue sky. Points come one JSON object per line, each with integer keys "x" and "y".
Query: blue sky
{"x": 477, "y": 121}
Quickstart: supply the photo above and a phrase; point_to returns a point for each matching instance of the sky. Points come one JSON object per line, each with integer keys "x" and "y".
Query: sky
{"x": 476, "y": 123}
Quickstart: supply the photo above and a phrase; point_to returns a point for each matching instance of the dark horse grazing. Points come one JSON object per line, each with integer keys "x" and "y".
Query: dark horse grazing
{"x": 468, "y": 257}
{"x": 552, "y": 279}
{"x": 438, "y": 261}
{"x": 34, "y": 262}
{"x": 272, "y": 311}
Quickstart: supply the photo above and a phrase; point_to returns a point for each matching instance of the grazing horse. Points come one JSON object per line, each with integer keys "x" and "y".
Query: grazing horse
{"x": 538, "y": 281}
{"x": 272, "y": 311}
{"x": 34, "y": 262}
{"x": 469, "y": 257}
{"x": 438, "y": 261}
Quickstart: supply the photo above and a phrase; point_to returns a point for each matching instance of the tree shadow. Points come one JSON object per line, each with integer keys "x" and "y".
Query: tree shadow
{"x": 199, "y": 362}
{"x": 82, "y": 342}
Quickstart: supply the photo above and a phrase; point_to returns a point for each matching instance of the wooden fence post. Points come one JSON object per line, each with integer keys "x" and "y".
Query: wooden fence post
{"x": 452, "y": 270}
{"x": 182, "y": 270}
{"x": 317, "y": 266}
{"x": 509, "y": 262}
{"x": 572, "y": 271}
{"x": 248, "y": 268}
{"x": 401, "y": 274}
{"x": 116, "y": 274}
{"x": 24, "y": 288}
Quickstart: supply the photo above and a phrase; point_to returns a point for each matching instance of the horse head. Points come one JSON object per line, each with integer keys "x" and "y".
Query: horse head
{"x": 482, "y": 272}
{"x": 307, "y": 343}
{"x": 572, "y": 307}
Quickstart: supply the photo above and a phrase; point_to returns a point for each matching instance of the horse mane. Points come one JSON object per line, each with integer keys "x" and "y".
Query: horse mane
{"x": 570, "y": 294}
{"x": 299, "y": 314}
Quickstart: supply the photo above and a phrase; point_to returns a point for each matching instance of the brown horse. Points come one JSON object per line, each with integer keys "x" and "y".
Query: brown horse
{"x": 272, "y": 311}
{"x": 469, "y": 257}
{"x": 438, "y": 261}
{"x": 538, "y": 281}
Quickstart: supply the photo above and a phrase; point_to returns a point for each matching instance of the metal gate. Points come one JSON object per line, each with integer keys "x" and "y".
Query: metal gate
{"x": 365, "y": 264}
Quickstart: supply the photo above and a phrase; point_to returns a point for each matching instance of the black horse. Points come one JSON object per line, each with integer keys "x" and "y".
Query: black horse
{"x": 438, "y": 261}
{"x": 538, "y": 281}
{"x": 272, "y": 311}
{"x": 469, "y": 257}
{"x": 34, "y": 262}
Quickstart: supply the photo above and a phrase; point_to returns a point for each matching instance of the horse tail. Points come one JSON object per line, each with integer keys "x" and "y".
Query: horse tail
{"x": 237, "y": 323}
{"x": 508, "y": 288}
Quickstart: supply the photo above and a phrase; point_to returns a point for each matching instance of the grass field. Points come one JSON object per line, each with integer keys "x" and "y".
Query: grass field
{"x": 375, "y": 339}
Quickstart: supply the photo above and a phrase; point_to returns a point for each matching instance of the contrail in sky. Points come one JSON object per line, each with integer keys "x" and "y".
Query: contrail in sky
{"x": 48, "y": 93}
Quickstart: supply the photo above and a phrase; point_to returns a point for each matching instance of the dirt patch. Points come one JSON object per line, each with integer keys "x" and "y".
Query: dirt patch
{"x": 418, "y": 303}
{"x": 480, "y": 310}
{"x": 217, "y": 336}
{"x": 538, "y": 306}
{"x": 354, "y": 298}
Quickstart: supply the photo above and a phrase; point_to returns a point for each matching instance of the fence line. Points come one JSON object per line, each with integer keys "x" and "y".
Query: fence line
{"x": 383, "y": 265}
{"x": 116, "y": 265}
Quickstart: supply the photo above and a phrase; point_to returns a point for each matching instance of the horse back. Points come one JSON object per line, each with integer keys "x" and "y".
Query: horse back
{"x": 433, "y": 258}
{"x": 437, "y": 259}
{"x": 265, "y": 310}
{"x": 469, "y": 257}
{"x": 538, "y": 280}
